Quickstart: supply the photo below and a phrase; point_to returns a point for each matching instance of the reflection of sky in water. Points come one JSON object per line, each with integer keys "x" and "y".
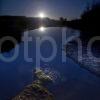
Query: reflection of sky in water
{"x": 74, "y": 82}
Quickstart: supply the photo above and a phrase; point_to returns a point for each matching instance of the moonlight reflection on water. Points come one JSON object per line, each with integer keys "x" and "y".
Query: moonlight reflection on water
{"x": 42, "y": 29}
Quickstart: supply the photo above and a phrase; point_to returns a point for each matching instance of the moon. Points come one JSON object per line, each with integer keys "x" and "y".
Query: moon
{"x": 42, "y": 15}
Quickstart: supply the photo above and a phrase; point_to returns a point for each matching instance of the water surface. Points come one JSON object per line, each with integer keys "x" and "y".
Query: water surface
{"x": 71, "y": 81}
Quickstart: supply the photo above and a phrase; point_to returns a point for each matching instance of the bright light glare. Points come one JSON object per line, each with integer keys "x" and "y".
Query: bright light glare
{"x": 41, "y": 15}
{"x": 42, "y": 29}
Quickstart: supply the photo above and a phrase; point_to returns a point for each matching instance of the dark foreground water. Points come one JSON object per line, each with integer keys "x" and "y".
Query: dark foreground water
{"x": 71, "y": 82}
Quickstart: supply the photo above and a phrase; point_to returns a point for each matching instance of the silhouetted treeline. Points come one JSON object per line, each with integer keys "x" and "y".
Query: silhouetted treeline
{"x": 22, "y": 23}
{"x": 11, "y": 26}
{"x": 63, "y": 21}
{"x": 14, "y": 26}
{"x": 89, "y": 21}
{"x": 12, "y": 22}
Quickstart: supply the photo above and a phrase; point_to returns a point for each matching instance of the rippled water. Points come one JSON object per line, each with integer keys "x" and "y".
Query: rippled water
{"x": 70, "y": 80}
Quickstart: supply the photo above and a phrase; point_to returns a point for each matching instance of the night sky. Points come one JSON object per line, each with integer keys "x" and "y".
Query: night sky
{"x": 53, "y": 8}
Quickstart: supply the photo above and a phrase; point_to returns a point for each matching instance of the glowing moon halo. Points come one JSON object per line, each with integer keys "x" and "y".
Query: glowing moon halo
{"x": 41, "y": 15}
